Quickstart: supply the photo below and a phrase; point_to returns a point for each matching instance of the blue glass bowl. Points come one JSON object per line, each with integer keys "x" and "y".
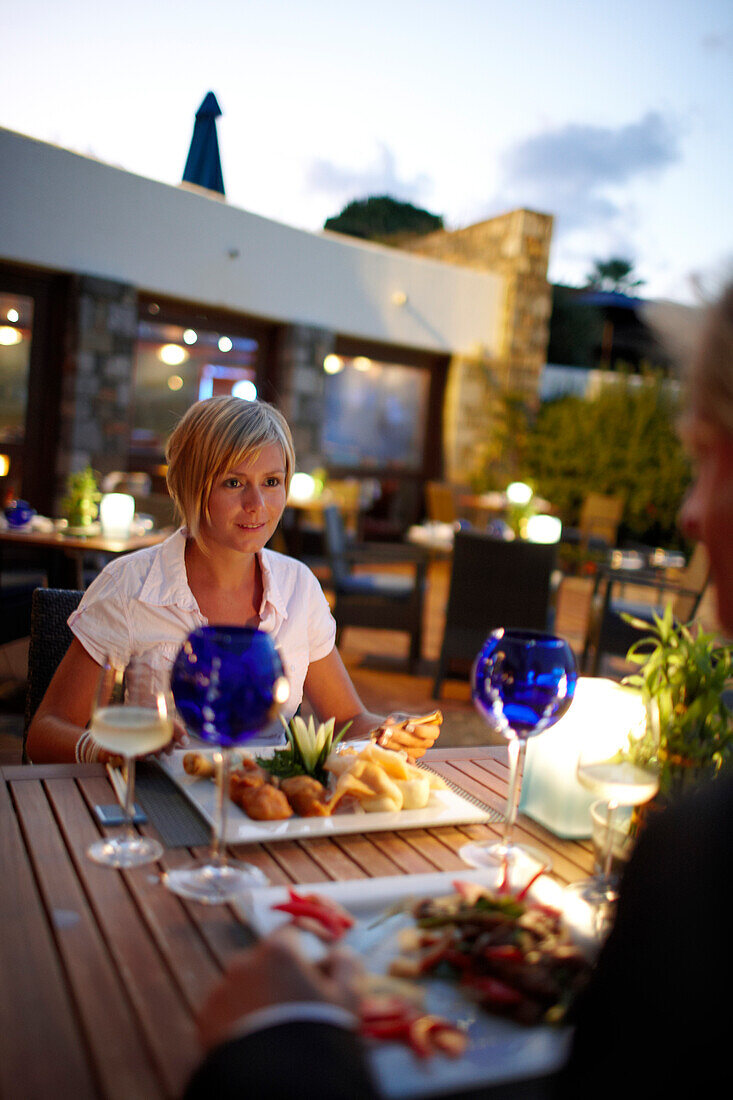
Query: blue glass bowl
{"x": 225, "y": 680}
{"x": 19, "y": 513}
{"x": 523, "y": 681}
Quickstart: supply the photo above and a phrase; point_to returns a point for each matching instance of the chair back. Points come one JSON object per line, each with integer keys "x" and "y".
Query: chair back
{"x": 493, "y": 584}
{"x": 440, "y": 502}
{"x": 336, "y": 544}
{"x": 50, "y": 637}
{"x": 693, "y": 581}
{"x": 600, "y": 517}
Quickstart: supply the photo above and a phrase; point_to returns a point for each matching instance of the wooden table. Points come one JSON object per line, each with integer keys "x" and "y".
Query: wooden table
{"x": 63, "y": 555}
{"x": 102, "y": 972}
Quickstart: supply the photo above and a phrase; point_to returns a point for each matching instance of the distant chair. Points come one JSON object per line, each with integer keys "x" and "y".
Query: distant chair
{"x": 440, "y": 502}
{"x": 50, "y": 638}
{"x": 493, "y": 584}
{"x": 600, "y": 517}
{"x": 608, "y": 634}
{"x": 380, "y": 600}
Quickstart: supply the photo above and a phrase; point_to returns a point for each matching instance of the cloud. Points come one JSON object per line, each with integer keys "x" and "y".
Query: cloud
{"x": 573, "y": 172}
{"x": 381, "y": 178}
{"x": 721, "y": 42}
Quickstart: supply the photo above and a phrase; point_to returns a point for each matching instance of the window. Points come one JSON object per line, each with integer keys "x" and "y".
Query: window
{"x": 176, "y": 366}
{"x": 16, "y": 324}
{"x": 375, "y": 414}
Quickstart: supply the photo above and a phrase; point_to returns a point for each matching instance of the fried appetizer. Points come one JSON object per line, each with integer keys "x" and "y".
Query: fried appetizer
{"x": 196, "y": 763}
{"x": 306, "y": 796}
{"x": 263, "y": 803}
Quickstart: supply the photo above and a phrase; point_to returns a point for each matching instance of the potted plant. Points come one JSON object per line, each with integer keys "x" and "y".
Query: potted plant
{"x": 81, "y": 503}
{"x": 683, "y": 673}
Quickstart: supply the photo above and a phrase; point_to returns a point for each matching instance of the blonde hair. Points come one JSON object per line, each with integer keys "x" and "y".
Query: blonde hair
{"x": 709, "y": 388}
{"x": 213, "y": 436}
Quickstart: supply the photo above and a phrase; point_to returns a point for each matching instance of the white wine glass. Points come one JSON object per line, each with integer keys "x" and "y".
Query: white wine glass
{"x": 616, "y": 781}
{"x": 132, "y": 716}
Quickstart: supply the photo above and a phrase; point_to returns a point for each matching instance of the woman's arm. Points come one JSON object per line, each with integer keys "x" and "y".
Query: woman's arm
{"x": 332, "y": 694}
{"x": 65, "y": 709}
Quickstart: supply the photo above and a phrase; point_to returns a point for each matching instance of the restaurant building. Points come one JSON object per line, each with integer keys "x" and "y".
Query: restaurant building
{"x": 123, "y": 300}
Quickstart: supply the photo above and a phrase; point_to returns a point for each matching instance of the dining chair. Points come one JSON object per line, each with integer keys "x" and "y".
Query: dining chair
{"x": 609, "y": 635}
{"x": 494, "y": 583}
{"x": 50, "y": 638}
{"x": 379, "y": 600}
{"x": 600, "y": 517}
{"x": 440, "y": 502}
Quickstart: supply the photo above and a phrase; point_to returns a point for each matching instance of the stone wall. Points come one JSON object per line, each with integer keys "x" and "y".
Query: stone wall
{"x": 95, "y": 402}
{"x": 515, "y": 246}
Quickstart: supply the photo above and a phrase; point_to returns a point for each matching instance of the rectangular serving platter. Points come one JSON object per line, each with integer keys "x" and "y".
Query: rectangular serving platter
{"x": 499, "y": 1051}
{"x": 445, "y": 807}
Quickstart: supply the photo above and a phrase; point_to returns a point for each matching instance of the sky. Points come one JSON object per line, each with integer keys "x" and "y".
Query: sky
{"x": 614, "y": 118}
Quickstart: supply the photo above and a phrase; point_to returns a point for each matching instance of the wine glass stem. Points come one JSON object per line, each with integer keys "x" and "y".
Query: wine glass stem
{"x": 222, "y": 759}
{"x": 516, "y": 749}
{"x": 608, "y": 839}
{"x": 129, "y": 770}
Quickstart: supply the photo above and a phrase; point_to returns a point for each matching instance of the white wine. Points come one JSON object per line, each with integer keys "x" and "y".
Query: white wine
{"x": 131, "y": 731}
{"x": 621, "y": 782}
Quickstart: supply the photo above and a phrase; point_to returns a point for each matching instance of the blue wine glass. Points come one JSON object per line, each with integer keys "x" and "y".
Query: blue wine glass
{"x": 228, "y": 685}
{"x": 522, "y": 682}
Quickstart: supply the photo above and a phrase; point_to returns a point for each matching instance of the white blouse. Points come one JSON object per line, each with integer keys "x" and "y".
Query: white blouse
{"x": 141, "y": 603}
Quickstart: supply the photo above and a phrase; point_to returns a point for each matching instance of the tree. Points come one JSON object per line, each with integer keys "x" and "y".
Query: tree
{"x": 382, "y": 218}
{"x": 623, "y": 442}
{"x": 615, "y": 274}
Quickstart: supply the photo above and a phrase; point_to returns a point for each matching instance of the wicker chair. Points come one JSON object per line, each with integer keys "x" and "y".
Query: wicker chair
{"x": 50, "y": 638}
{"x": 493, "y": 584}
{"x": 381, "y": 600}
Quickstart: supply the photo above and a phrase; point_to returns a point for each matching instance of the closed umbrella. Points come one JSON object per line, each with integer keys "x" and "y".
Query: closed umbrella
{"x": 203, "y": 166}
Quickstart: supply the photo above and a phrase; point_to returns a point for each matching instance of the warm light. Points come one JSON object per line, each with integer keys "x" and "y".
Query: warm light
{"x": 518, "y": 493}
{"x": 602, "y": 712}
{"x": 302, "y": 487}
{"x": 4, "y": 465}
{"x": 544, "y": 529}
{"x": 245, "y": 389}
{"x": 189, "y": 336}
{"x": 10, "y": 336}
{"x": 281, "y": 690}
{"x": 362, "y": 363}
{"x": 175, "y": 382}
{"x": 399, "y": 298}
{"x": 13, "y": 315}
{"x": 116, "y": 511}
{"x": 332, "y": 364}
{"x": 172, "y": 355}
{"x": 225, "y": 344}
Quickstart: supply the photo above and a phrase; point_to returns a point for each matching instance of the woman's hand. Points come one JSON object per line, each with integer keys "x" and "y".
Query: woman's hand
{"x": 414, "y": 734}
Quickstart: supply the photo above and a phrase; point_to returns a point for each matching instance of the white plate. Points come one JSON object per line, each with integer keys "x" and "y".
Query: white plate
{"x": 444, "y": 807}
{"x": 498, "y": 1050}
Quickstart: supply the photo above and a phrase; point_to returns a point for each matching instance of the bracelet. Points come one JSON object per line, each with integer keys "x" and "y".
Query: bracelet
{"x": 86, "y": 749}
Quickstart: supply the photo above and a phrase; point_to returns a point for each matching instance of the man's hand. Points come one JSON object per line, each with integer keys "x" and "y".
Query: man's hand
{"x": 275, "y": 972}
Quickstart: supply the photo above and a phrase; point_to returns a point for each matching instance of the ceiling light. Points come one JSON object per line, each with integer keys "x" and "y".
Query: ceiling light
{"x": 189, "y": 336}
{"x": 225, "y": 343}
{"x": 172, "y": 355}
{"x": 332, "y": 364}
{"x": 10, "y": 336}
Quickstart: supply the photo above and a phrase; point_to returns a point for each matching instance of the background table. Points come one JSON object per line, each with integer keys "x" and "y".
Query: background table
{"x": 102, "y": 972}
{"x": 62, "y": 555}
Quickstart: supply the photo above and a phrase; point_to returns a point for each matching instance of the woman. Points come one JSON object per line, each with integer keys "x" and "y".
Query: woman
{"x": 229, "y": 468}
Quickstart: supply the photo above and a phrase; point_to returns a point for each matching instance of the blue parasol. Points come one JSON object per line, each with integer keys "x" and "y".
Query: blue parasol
{"x": 203, "y": 166}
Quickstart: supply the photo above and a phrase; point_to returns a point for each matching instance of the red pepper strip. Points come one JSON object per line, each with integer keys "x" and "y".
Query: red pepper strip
{"x": 493, "y": 991}
{"x": 505, "y": 952}
{"x": 503, "y": 886}
{"x": 420, "y": 1035}
{"x": 299, "y": 906}
{"x": 525, "y": 889}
